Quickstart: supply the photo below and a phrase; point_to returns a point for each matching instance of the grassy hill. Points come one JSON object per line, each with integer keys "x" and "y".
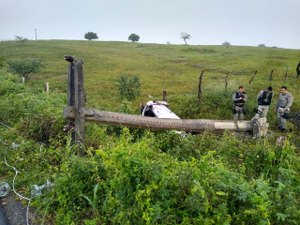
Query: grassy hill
{"x": 174, "y": 68}
{"x": 132, "y": 176}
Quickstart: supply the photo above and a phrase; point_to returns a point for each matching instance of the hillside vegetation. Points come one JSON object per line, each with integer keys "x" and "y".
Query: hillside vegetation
{"x": 134, "y": 176}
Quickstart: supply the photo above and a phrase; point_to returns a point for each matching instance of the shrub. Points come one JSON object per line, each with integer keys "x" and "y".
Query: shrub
{"x": 90, "y": 36}
{"x": 214, "y": 106}
{"x": 226, "y": 43}
{"x": 2, "y": 61}
{"x": 25, "y": 67}
{"x": 129, "y": 87}
{"x": 35, "y": 115}
{"x": 20, "y": 39}
{"x": 9, "y": 84}
{"x": 261, "y": 45}
{"x": 134, "y": 37}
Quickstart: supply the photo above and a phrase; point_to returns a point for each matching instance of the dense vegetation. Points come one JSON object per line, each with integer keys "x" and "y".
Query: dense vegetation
{"x": 131, "y": 176}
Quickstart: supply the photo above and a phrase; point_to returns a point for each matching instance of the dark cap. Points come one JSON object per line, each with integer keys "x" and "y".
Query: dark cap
{"x": 270, "y": 88}
{"x": 284, "y": 87}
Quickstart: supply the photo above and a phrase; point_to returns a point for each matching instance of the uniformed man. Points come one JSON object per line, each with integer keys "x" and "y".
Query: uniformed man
{"x": 264, "y": 100}
{"x": 283, "y": 105}
{"x": 239, "y": 98}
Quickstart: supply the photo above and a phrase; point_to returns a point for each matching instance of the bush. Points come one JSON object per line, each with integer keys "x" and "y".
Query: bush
{"x": 25, "y": 67}
{"x": 134, "y": 37}
{"x": 214, "y": 106}
{"x": 129, "y": 87}
{"x": 35, "y": 115}
{"x": 20, "y": 39}
{"x": 134, "y": 182}
{"x": 2, "y": 61}
{"x": 90, "y": 36}
{"x": 9, "y": 84}
{"x": 261, "y": 45}
{"x": 226, "y": 43}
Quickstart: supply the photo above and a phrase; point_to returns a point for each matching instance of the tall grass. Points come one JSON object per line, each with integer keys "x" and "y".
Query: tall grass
{"x": 174, "y": 68}
{"x": 131, "y": 176}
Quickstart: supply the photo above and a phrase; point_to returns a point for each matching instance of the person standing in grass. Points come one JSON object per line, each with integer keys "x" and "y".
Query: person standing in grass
{"x": 283, "y": 105}
{"x": 298, "y": 69}
{"x": 239, "y": 98}
{"x": 264, "y": 100}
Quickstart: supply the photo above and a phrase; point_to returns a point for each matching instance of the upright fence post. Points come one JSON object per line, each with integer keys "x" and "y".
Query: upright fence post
{"x": 252, "y": 78}
{"x": 79, "y": 103}
{"x": 46, "y": 88}
{"x": 226, "y": 81}
{"x": 71, "y": 84}
{"x": 286, "y": 73}
{"x": 200, "y": 86}
{"x": 271, "y": 77}
{"x": 70, "y": 127}
{"x": 165, "y": 96}
{"x": 76, "y": 99}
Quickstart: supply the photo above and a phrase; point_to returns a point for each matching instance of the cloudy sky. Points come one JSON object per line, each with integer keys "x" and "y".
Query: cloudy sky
{"x": 209, "y": 22}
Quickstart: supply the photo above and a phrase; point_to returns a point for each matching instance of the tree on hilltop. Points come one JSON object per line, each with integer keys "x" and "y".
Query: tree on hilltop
{"x": 90, "y": 36}
{"x": 134, "y": 37}
{"x": 185, "y": 37}
{"x": 20, "y": 39}
{"x": 226, "y": 43}
{"x": 261, "y": 45}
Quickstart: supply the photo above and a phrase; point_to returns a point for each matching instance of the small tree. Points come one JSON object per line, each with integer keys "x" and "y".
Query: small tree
{"x": 90, "y": 36}
{"x": 21, "y": 39}
{"x": 185, "y": 37}
{"x": 226, "y": 43}
{"x": 2, "y": 61}
{"x": 25, "y": 67}
{"x": 129, "y": 87}
{"x": 134, "y": 37}
{"x": 261, "y": 45}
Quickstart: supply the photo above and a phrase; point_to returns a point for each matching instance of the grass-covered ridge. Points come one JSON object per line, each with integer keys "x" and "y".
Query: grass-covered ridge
{"x": 129, "y": 176}
{"x": 175, "y": 68}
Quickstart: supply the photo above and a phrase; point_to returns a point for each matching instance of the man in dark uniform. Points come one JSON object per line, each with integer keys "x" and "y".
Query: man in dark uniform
{"x": 264, "y": 100}
{"x": 239, "y": 98}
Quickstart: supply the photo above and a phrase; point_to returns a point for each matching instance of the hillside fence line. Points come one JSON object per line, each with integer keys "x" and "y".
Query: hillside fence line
{"x": 77, "y": 115}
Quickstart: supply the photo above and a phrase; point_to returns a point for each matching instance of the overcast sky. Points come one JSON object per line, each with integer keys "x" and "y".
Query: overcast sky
{"x": 209, "y": 22}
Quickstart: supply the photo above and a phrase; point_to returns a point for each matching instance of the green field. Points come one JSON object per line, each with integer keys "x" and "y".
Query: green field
{"x": 134, "y": 176}
{"x": 174, "y": 68}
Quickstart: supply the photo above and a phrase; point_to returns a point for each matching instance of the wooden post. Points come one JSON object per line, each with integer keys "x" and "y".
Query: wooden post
{"x": 200, "y": 86}
{"x": 79, "y": 103}
{"x": 165, "y": 96}
{"x": 285, "y": 75}
{"x": 70, "y": 127}
{"x": 271, "y": 76}
{"x": 252, "y": 78}
{"x": 71, "y": 84}
{"x": 226, "y": 81}
{"x": 47, "y": 87}
{"x": 76, "y": 99}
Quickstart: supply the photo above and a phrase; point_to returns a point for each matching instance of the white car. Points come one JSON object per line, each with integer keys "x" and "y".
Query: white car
{"x": 158, "y": 109}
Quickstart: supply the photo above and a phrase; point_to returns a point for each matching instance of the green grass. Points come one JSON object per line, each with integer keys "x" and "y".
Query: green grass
{"x": 132, "y": 176}
{"x": 174, "y": 68}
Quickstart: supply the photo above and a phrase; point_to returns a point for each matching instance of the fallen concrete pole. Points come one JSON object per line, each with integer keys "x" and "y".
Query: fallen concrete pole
{"x": 152, "y": 123}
